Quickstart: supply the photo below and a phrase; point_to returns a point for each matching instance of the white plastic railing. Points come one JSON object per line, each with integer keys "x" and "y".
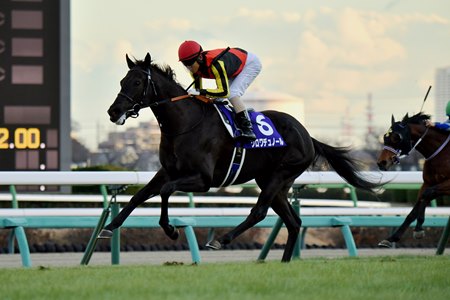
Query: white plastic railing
{"x": 130, "y": 178}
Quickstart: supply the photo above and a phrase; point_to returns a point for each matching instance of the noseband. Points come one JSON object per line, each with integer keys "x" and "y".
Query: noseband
{"x": 139, "y": 104}
{"x": 398, "y": 152}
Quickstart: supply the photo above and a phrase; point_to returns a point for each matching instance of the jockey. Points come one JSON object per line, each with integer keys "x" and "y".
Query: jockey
{"x": 445, "y": 126}
{"x": 233, "y": 69}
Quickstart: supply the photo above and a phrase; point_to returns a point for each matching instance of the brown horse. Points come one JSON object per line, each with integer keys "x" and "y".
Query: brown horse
{"x": 402, "y": 138}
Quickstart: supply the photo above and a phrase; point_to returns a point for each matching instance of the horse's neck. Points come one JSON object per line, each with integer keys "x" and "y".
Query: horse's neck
{"x": 178, "y": 116}
{"x": 431, "y": 140}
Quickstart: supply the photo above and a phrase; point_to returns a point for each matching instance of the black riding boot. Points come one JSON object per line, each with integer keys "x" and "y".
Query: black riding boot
{"x": 244, "y": 125}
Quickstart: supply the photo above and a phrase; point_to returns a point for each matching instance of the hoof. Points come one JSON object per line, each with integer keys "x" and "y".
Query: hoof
{"x": 419, "y": 234}
{"x": 214, "y": 245}
{"x": 385, "y": 244}
{"x": 174, "y": 234}
{"x": 105, "y": 234}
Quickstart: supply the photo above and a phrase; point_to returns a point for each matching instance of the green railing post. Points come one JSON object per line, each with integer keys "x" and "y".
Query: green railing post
{"x": 271, "y": 239}
{"x": 12, "y": 234}
{"x": 444, "y": 239}
{"x": 296, "y": 206}
{"x": 14, "y": 203}
{"x": 104, "y": 192}
{"x": 191, "y": 200}
{"x": 353, "y": 195}
{"x": 112, "y": 208}
{"x": 115, "y": 240}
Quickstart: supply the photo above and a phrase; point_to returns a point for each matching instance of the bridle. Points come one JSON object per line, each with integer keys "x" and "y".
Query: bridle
{"x": 133, "y": 112}
{"x": 398, "y": 152}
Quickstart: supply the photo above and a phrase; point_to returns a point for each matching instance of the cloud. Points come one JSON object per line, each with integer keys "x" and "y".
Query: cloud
{"x": 86, "y": 55}
{"x": 122, "y": 47}
{"x": 344, "y": 54}
{"x": 175, "y": 24}
{"x": 267, "y": 15}
{"x": 363, "y": 50}
{"x": 257, "y": 15}
{"x": 291, "y": 17}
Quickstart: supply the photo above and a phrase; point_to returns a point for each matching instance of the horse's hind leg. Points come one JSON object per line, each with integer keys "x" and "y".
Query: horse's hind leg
{"x": 150, "y": 190}
{"x": 425, "y": 195}
{"x": 428, "y": 194}
{"x": 258, "y": 212}
{"x": 292, "y": 221}
{"x": 395, "y": 237}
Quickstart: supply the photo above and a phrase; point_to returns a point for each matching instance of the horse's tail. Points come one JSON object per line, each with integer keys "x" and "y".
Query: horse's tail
{"x": 343, "y": 164}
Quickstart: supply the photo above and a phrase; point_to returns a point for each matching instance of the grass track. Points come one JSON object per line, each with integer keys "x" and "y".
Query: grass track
{"x": 400, "y": 277}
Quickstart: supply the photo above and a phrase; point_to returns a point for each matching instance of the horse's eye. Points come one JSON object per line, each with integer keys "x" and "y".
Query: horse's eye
{"x": 137, "y": 82}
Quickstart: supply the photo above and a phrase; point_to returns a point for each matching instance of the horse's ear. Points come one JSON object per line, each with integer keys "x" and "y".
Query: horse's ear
{"x": 405, "y": 119}
{"x": 130, "y": 63}
{"x": 147, "y": 60}
{"x": 392, "y": 120}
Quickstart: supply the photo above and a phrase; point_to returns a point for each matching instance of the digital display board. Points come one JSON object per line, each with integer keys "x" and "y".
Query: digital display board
{"x": 34, "y": 85}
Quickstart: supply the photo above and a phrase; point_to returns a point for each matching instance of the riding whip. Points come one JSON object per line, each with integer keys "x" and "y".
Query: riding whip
{"x": 425, "y": 99}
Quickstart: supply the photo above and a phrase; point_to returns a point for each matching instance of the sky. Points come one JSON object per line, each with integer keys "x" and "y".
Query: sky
{"x": 330, "y": 54}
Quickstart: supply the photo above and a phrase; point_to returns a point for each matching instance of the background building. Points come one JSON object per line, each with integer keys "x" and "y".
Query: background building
{"x": 442, "y": 92}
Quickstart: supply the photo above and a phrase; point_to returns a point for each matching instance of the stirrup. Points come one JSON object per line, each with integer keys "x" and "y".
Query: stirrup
{"x": 221, "y": 101}
{"x": 246, "y": 136}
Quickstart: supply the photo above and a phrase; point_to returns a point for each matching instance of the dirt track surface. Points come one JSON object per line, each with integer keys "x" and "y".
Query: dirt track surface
{"x": 161, "y": 257}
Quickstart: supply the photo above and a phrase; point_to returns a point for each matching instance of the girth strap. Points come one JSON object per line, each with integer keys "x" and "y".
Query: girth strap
{"x": 237, "y": 160}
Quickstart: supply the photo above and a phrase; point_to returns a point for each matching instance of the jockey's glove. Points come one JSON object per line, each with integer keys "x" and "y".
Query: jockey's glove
{"x": 193, "y": 92}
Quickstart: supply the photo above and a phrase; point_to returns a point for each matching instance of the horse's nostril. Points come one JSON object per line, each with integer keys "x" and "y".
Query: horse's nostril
{"x": 113, "y": 112}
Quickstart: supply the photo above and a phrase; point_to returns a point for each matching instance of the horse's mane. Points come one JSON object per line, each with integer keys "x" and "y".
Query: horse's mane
{"x": 165, "y": 70}
{"x": 418, "y": 118}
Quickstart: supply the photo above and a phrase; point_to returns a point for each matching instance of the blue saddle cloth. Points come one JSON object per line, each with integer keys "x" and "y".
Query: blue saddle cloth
{"x": 267, "y": 135}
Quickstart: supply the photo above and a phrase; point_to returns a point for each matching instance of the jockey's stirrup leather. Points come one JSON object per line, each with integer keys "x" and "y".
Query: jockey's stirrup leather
{"x": 244, "y": 125}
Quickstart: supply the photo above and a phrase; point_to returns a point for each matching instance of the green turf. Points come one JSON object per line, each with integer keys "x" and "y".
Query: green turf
{"x": 404, "y": 277}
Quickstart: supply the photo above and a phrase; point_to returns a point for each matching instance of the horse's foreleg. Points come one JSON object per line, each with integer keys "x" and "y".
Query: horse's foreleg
{"x": 195, "y": 183}
{"x": 150, "y": 190}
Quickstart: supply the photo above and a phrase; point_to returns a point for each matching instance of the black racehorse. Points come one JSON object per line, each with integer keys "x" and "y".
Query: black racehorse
{"x": 196, "y": 149}
{"x": 403, "y": 137}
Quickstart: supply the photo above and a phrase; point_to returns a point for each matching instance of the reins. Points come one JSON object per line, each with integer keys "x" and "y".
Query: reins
{"x": 439, "y": 149}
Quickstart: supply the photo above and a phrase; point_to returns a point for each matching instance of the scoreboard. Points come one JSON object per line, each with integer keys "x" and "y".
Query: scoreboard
{"x": 35, "y": 85}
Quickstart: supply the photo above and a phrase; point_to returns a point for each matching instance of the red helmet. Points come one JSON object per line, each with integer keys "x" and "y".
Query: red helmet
{"x": 189, "y": 50}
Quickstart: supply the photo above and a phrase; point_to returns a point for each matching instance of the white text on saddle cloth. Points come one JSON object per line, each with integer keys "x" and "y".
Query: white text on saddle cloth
{"x": 267, "y": 142}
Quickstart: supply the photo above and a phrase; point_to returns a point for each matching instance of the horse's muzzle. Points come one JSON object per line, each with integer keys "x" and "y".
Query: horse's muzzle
{"x": 116, "y": 115}
{"x": 382, "y": 165}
